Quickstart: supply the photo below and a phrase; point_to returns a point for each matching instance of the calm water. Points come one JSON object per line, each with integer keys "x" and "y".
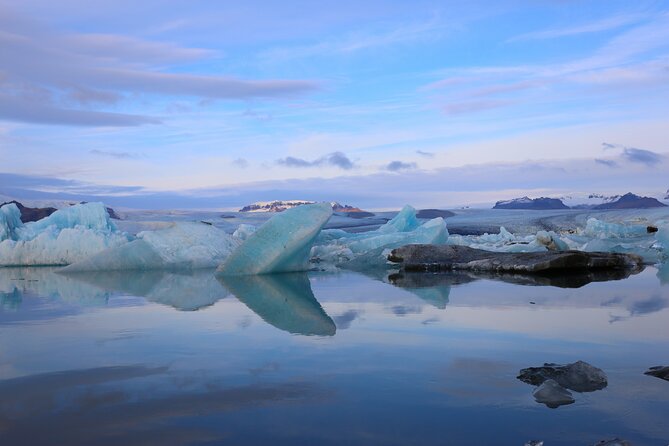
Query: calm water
{"x": 323, "y": 359}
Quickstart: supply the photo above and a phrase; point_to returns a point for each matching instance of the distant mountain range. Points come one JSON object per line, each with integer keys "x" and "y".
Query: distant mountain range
{"x": 531, "y": 203}
{"x": 594, "y": 201}
{"x": 282, "y": 205}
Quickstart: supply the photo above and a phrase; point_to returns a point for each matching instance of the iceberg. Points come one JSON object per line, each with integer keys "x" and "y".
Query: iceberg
{"x": 182, "y": 245}
{"x": 66, "y": 236}
{"x": 282, "y": 244}
{"x": 508, "y": 242}
{"x": 603, "y": 230}
{"x": 368, "y": 249}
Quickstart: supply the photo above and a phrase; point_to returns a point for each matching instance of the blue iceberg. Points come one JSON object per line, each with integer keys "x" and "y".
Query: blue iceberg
{"x": 66, "y": 236}
{"x": 282, "y": 244}
{"x": 181, "y": 246}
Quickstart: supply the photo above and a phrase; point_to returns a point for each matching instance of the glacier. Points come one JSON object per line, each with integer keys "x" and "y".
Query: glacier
{"x": 66, "y": 236}
{"x": 183, "y": 245}
{"x": 282, "y": 244}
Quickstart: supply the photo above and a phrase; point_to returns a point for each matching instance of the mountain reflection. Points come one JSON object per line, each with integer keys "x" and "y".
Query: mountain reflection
{"x": 284, "y": 301}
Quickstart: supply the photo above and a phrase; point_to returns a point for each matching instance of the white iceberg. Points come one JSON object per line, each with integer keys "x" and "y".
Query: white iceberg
{"x": 66, "y": 236}
{"x": 282, "y": 244}
{"x": 180, "y": 246}
{"x": 508, "y": 242}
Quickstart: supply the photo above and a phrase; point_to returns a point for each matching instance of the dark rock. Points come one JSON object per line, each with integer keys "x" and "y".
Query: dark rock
{"x": 659, "y": 371}
{"x": 631, "y": 201}
{"x": 355, "y": 214}
{"x": 448, "y": 257}
{"x": 542, "y": 203}
{"x": 228, "y": 216}
{"x": 614, "y": 442}
{"x": 206, "y": 222}
{"x": 578, "y": 376}
{"x": 31, "y": 214}
{"x": 552, "y": 394}
{"x": 434, "y": 213}
{"x": 651, "y": 229}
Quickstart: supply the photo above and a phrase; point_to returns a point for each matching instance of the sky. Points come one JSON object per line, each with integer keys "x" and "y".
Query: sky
{"x": 215, "y": 104}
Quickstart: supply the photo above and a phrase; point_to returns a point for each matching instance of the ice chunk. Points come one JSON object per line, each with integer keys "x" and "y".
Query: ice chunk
{"x": 603, "y": 230}
{"x": 283, "y": 300}
{"x": 552, "y": 394}
{"x": 404, "y": 221}
{"x": 244, "y": 231}
{"x": 66, "y": 236}
{"x": 662, "y": 237}
{"x": 180, "y": 246}
{"x": 282, "y": 244}
{"x": 10, "y": 219}
{"x": 368, "y": 249}
{"x": 508, "y": 242}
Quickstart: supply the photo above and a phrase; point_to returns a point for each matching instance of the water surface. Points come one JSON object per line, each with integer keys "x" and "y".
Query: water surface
{"x": 348, "y": 358}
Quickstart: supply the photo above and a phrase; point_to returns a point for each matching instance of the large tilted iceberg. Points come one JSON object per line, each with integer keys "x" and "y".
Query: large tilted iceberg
{"x": 367, "y": 249}
{"x": 66, "y": 236}
{"x": 182, "y": 245}
{"x": 282, "y": 244}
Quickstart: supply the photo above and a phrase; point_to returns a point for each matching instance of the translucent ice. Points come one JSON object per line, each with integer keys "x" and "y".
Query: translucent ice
{"x": 368, "y": 249}
{"x": 508, "y": 242}
{"x": 603, "y": 230}
{"x": 282, "y": 244}
{"x": 66, "y": 236}
{"x": 244, "y": 231}
{"x": 180, "y": 246}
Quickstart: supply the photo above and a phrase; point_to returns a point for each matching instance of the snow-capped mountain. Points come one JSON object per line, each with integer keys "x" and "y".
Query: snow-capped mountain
{"x": 540, "y": 203}
{"x": 282, "y": 205}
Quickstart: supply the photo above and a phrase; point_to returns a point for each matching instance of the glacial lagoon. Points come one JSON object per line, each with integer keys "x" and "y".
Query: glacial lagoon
{"x": 325, "y": 358}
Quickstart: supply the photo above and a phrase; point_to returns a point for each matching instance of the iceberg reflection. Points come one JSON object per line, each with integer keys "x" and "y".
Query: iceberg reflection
{"x": 185, "y": 291}
{"x": 282, "y": 300}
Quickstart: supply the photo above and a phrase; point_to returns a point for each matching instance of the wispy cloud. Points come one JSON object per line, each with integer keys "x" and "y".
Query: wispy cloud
{"x": 606, "y": 24}
{"x": 641, "y": 156}
{"x": 87, "y": 69}
{"x": 425, "y": 153}
{"x": 396, "y": 166}
{"x": 336, "y": 159}
{"x": 461, "y": 108}
{"x": 359, "y": 41}
{"x": 115, "y": 154}
{"x": 606, "y": 162}
{"x": 241, "y": 163}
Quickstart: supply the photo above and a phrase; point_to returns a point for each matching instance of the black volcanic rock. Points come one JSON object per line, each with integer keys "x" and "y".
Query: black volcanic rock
{"x": 434, "y": 213}
{"x": 632, "y": 201}
{"x": 31, "y": 214}
{"x": 537, "y": 204}
{"x": 452, "y": 257}
{"x": 659, "y": 371}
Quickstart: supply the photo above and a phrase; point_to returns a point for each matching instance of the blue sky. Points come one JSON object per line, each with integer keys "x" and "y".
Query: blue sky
{"x": 377, "y": 103}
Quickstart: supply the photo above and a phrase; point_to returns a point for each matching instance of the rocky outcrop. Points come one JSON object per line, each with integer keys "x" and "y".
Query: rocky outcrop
{"x": 434, "y": 213}
{"x": 578, "y": 376}
{"x": 31, "y": 214}
{"x": 659, "y": 371}
{"x": 448, "y": 257}
{"x": 537, "y": 204}
{"x": 632, "y": 201}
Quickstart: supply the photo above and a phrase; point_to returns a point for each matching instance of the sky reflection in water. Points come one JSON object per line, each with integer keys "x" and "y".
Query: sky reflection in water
{"x": 167, "y": 358}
